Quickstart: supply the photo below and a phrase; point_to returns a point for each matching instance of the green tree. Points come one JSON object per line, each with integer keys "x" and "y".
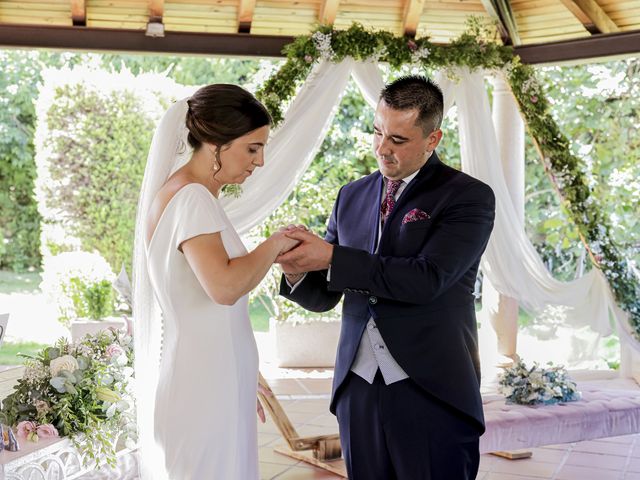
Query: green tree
{"x": 20, "y": 77}
{"x": 98, "y": 141}
{"x": 185, "y": 70}
{"x": 596, "y": 106}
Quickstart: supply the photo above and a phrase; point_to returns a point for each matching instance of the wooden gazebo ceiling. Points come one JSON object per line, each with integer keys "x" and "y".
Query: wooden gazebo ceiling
{"x": 521, "y": 23}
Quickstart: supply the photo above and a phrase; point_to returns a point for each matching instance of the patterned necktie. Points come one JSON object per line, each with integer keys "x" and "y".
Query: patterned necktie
{"x": 389, "y": 200}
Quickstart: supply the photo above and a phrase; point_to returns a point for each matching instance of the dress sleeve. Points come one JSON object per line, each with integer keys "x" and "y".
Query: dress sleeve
{"x": 197, "y": 212}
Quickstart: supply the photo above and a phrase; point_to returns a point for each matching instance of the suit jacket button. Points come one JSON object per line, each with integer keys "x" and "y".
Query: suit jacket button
{"x": 373, "y": 300}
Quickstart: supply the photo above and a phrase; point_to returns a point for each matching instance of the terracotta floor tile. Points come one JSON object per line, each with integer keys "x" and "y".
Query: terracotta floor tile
{"x": 318, "y": 385}
{"x": 508, "y": 476}
{"x": 302, "y": 473}
{"x": 527, "y": 466}
{"x": 268, "y": 427}
{"x": 326, "y": 420}
{"x": 311, "y": 430}
{"x": 486, "y": 461}
{"x": 267, "y": 438}
{"x": 272, "y": 470}
{"x": 548, "y": 455}
{"x": 287, "y": 386}
{"x": 599, "y": 460}
{"x": 311, "y": 406}
{"x": 268, "y": 455}
{"x": 573, "y": 472}
{"x": 600, "y": 447}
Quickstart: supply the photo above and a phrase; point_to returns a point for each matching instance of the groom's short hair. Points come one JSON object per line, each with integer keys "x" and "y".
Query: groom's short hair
{"x": 420, "y": 93}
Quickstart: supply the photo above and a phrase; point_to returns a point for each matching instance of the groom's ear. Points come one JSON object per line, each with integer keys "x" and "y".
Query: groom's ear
{"x": 433, "y": 140}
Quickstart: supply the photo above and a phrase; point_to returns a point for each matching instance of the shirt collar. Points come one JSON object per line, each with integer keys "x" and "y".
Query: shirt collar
{"x": 405, "y": 180}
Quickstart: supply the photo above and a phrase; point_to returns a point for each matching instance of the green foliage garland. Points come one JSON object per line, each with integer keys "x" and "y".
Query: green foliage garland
{"x": 473, "y": 50}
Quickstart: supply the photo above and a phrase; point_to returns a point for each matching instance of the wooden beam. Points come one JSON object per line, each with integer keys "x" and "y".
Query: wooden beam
{"x": 156, "y": 11}
{"x": 411, "y": 17}
{"x": 599, "y": 46}
{"x": 500, "y": 11}
{"x": 124, "y": 40}
{"x": 591, "y": 15}
{"x": 78, "y": 13}
{"x": 245, "y": 15}
{"x": 238, "y": 45}
{"x": 328, "y": 12}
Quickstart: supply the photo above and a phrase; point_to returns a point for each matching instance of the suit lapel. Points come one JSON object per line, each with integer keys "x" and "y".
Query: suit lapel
{"x": 374, "y": 212}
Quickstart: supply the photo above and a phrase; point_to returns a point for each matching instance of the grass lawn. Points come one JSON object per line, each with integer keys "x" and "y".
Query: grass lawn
{"x": 11, "y": 282}
{"x": 29, "y": 282}
{"x": 9, "y": 352}
{"x": 259, "y": 316}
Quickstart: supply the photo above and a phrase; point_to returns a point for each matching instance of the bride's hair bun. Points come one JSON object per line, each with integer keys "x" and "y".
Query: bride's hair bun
{"x": 220, "y": 113}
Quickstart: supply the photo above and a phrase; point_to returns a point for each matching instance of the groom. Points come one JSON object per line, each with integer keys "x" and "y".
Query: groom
{"x": 403, "y": 247}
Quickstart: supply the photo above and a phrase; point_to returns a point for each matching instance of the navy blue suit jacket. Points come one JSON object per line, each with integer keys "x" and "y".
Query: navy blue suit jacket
{"x": 418, "y": 287}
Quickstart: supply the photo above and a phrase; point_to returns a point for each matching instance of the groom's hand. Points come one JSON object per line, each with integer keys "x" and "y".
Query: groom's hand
{"x": 312, "y": 254}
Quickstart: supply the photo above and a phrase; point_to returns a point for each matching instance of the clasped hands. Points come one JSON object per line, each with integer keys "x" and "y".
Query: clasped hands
{"x": 308, "y": 252}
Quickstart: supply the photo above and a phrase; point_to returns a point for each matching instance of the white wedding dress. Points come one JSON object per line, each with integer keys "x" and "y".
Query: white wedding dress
{"x": 205, "y": 414}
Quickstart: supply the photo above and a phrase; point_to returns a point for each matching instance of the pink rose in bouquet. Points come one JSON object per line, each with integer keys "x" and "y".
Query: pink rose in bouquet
{"x": 114, "y": 350}
{"x": 47, "y": 431}
{"x": 25, "y": 428}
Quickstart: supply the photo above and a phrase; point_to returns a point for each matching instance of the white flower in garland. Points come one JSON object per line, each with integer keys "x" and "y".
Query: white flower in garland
{"x": 531, "y": 86}
{"x": 379, "y": 54}
{"x": 417, "y": 53}
{"x": 322, "y": 42}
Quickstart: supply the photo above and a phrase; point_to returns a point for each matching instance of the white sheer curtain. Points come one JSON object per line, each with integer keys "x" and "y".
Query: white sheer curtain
{"x": 292, "y": 147}
{"x": 510, "y": 262}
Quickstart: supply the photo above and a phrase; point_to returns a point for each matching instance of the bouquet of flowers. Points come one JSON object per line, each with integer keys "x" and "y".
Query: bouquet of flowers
{"x": 83, "y": 390}
{"x": 530, "y": 386}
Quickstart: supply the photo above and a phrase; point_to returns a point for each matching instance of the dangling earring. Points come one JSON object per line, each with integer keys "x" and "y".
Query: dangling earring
{"x": 216, "y": 164}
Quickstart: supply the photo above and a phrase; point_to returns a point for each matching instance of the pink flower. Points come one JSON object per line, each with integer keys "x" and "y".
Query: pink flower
{"x": 114, "y": 350}
{"x": 534, "y": 99}
{"x": 308, "y": 58}
{"x": 47, "y": 431}
{"x": 413, "y": 46}
{"x": 25, "y": 428}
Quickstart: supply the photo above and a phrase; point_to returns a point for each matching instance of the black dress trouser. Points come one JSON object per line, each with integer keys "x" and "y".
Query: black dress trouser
{"x": 399, "y": 431}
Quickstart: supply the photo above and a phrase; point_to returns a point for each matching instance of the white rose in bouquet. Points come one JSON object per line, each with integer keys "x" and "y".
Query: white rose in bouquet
{"x": 65, "y": 362}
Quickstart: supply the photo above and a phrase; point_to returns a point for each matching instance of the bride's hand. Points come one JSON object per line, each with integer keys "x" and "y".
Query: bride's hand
{"x": 285, "y": 242}
{"x": 267, "y": 393}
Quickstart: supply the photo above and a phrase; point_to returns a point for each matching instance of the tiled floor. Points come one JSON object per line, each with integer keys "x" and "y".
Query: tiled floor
{"x": 305, "y": 400}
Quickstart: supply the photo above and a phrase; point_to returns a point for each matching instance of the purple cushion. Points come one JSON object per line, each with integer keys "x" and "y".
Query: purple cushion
{"x": 600, "y": 413}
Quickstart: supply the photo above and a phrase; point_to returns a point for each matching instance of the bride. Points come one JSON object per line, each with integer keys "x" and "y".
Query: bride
{"x": 197, "y": 362}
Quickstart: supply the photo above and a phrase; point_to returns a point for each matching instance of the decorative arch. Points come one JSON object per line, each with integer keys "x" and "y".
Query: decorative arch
{"x": 471, "y": 51}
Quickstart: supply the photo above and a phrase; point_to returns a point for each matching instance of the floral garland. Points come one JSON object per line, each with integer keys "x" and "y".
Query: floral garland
{"x": 535, "y": 385}
{"x": 83, "y": 390}
{"x": 473, "y": 51}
